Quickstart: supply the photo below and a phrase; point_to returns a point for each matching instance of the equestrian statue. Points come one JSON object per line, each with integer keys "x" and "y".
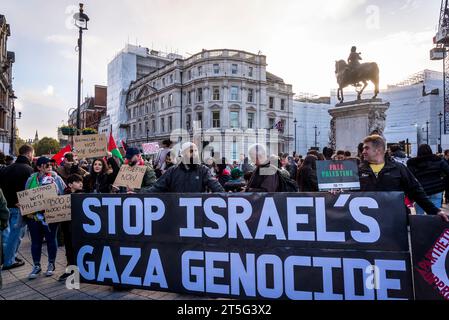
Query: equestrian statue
{"x": 354, "y": 73}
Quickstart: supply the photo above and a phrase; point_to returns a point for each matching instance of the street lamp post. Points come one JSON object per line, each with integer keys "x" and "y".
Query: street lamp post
{"x": 440, "y": 149}
{"x": 295, "y": 122}
{"x": 427, "y": 132}
{"x": 81, "y": 20}
{"x": 315, "y": 127}
{"x": 148, "y": 133}
{"x": 13, "y": 126}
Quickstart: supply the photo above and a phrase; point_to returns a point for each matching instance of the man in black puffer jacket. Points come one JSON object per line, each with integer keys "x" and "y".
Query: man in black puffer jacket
{"x": 188, "y": 176}
{"x": 431, "y": 171}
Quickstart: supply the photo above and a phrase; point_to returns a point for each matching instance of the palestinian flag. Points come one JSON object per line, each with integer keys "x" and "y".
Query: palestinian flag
{"x": 112, "y": 148}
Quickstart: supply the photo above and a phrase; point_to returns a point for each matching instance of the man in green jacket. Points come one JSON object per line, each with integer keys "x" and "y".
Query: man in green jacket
{"x": 4, "y": 218}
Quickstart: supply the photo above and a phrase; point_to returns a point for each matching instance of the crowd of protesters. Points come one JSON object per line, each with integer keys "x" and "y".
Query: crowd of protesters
{"x": 424, "y": 180}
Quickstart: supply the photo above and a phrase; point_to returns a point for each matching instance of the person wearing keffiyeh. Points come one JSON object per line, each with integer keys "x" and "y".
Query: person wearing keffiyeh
{"x": 36, "y": 222}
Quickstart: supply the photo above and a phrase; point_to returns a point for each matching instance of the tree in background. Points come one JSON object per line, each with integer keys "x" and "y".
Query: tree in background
{"x": 18, "y": 143}
{"x": 46, "y": 146}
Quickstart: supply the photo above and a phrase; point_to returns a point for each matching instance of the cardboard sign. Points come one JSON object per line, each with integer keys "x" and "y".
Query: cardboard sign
{"x": 59, "y": 209}
{"x": 130, "y": 177}
{"x": 33, "y": 200}
{"x": 150, "y": 148}
{"x": 333, "y": 174}
{"x": 90, "y": 146}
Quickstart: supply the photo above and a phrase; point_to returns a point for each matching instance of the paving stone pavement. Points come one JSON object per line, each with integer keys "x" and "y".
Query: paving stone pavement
{"x": 16, "y": 285}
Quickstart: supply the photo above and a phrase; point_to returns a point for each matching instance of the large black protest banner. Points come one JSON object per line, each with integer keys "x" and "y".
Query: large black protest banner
{"x": 430, "y": 247}
{"x": 288, "y": 246}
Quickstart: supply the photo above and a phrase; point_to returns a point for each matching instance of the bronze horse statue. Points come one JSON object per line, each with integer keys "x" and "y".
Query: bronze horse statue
{"x": 364, "y": 72}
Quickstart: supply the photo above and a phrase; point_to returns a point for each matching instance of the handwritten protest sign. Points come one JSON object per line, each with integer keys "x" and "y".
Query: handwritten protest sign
{"x": 59, "y": 209}
{"x": 90, "y": 146}
{"x": 33, "y": 200}
{"x": 150, "y": 148}
{"x": 130, "y": 177}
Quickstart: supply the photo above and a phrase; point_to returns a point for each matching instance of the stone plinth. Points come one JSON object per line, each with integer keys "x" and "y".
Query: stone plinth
{"x": 353, "y": 121}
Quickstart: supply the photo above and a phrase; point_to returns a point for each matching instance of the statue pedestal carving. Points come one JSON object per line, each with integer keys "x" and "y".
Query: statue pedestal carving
{"x": 353, "y": 121}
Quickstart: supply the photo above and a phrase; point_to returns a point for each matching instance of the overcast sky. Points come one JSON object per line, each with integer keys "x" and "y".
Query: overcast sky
{"x": 301, "y": 39}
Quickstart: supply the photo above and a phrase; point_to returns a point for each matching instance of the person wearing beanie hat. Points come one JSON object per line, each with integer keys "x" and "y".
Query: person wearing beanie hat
{"x": 131, "y": 152}
{"x": 133, "y": 158}
{"x": 188, "y": 175}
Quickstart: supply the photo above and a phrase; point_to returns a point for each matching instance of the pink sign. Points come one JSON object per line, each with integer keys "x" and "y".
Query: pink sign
{"x": 150, "y": 148}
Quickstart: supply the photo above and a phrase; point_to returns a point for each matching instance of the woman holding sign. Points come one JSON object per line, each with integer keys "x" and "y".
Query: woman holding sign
{"x": 36, "y": 222}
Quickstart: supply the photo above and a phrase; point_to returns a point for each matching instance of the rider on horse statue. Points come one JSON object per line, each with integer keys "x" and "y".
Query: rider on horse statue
{"x": 353, "y": 72}
{"x": 353, "y": 60}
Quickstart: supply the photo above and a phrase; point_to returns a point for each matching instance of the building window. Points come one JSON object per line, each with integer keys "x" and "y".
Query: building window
{"x": 199, "y": 118}
{"x": 250, "y": 120}
{"x": 190, "y": 74}
{"x": 271, "y": 102}
{"x": 250, "y": 71}
{"x": 154, "y": 84}
{"x": 271, "y": 123}
{"x": 200, "y": 71}
{"x": 162, "y": 102}
{"x": 234, "y": 119}
{"x": 216, "y": 93}
{"x": 146, "y": 127}
{"x": 216, "y": 68}
{"x": 199, "y": 95}
{"x": 234, "y": 68}
{"x": 140, "y": 110}
{"x": 140, "y": 129}
{"x": 170, "y": 123}
{"x": 153, "y": 107}
{"x": 250, "y": 95}
{"x": 234, "y": 93}
{"x": 153, "y": 126}
{"x": 189, "y": 97}
{"x": 216, "y": 119}
{"x": 170, "y": 99}
{"x": 188, "y": 122}
{"x": 135, "y": 112}
{"x": 171, "y": 78}
{"x": 134, "y": 130}
{"x": 163, "y": 82}
{"x": 282, "y": 104}
{"x": 146, "y": 108}
{"x": 162, "y": 125}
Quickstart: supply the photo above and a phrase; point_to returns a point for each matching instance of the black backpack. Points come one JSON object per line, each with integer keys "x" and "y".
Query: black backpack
{"x": 286, "y": 184}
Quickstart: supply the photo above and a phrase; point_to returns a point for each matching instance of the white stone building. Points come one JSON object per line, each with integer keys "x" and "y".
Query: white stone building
{"x": 413, "y": 102}
{"x": 131, "y": 63}
{"x": 222, "y": 95}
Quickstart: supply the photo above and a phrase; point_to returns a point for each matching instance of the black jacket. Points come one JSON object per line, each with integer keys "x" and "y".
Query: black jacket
{"x": 101, "y": 183}
{"x": 292, "y": 169}
{"x": 182, "y": 178}
{"x": 307, "y": 179}
{"x": 13, "y": 179}
{"x": 395, "y": 177}
{"x": 430, "y": 172}
{"x": 267, "y": 181}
